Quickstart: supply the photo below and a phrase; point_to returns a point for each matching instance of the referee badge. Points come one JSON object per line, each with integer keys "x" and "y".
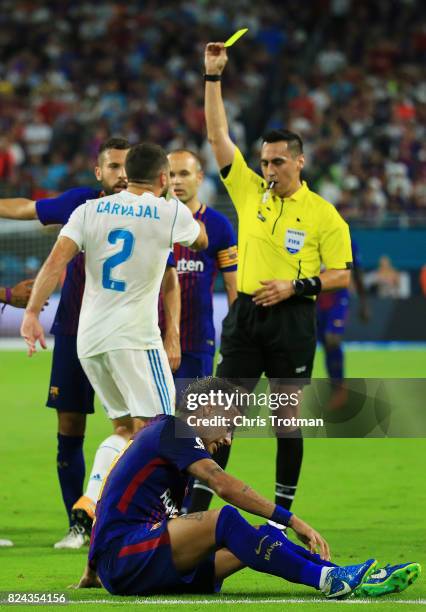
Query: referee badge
{"x": 294, "y": 240}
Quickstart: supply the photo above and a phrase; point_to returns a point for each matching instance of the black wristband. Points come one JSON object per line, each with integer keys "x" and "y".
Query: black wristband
{"x": 307, "y": 286}
{"x": 212, "y": 77}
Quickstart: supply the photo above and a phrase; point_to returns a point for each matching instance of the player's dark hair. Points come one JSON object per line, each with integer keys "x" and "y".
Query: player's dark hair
{"x": 144, "y": 162}
{"x": 293, "y": 140}
{"x": 194, "y": 155}
{"x": 122, "y": 144}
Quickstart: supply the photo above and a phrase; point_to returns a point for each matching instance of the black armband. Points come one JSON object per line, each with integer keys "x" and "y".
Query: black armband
{"x": 307, "y": 286}
{"x": 212, "y": 77}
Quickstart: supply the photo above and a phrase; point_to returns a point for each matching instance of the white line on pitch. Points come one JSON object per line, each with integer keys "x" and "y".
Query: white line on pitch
{"x": 198, "y": 602}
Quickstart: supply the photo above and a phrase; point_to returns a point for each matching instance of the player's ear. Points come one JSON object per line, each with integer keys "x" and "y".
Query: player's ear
{"x": 98, "y": 173}
{"x": 300, "y": 161}
{"x": 164, "y": 179}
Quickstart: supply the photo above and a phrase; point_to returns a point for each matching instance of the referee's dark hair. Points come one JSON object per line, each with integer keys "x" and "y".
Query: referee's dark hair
{"x": 144, "y": 162}
{"x": 293, "y": 140}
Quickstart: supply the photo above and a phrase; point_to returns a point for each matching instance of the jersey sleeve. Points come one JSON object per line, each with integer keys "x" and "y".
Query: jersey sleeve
{"x": 171, "y": 261}
{"x": 180, "y": 446}
{"x": 185, "y": 229}
{"x": 58, "y": 210}
{"x": 227, "y": 253}
{"x": 74, "y": 229}
{"x": 242, "y": 183}
{"x": 335, "y": 241}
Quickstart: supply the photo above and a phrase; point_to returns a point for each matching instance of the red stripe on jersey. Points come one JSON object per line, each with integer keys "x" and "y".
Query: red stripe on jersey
{"x": 136, "y": 482}
{"x": 141, "y": 547}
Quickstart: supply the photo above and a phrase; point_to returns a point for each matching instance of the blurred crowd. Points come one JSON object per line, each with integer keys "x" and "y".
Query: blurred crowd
{"x": 348, "y": 75}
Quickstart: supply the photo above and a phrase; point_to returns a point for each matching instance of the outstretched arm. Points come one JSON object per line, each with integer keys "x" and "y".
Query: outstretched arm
{"x": 217, "y": 125}
{"x": 47, "y": 279}
{"x": 20, "y": 209}
{"x": 18, "y": 295}
{"x": 242, "y": 496}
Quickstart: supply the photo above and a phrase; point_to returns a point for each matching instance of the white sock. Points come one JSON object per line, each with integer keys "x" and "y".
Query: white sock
{"x": 324, "y": 573}
{"x": 107, "y": 451}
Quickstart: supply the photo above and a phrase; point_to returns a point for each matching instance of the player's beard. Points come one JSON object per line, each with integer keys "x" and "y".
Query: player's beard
{"x": 117, "y": 188}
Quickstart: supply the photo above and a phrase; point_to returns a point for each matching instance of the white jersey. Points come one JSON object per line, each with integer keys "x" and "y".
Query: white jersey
{"x": 127, "y": 240}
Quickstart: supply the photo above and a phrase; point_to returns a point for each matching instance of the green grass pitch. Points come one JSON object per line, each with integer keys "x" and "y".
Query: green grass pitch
{"x": 366, "y": 496}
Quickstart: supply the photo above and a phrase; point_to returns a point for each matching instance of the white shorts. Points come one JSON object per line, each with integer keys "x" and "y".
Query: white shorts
{"x": 135, "y": 382}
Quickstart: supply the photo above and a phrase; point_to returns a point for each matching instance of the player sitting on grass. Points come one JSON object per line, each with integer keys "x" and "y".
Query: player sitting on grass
{"x": 138, "y": 547}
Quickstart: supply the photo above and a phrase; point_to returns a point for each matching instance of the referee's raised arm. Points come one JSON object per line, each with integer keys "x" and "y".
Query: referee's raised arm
{"x": 293, "y": 245}
{"x": 217, "y": 124}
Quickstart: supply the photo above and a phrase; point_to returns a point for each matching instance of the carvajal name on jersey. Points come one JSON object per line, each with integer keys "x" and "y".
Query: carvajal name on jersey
{"x": 127, "y": 210}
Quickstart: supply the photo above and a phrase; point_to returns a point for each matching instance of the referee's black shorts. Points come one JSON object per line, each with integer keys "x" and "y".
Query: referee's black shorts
{"x": 278, "y": 340}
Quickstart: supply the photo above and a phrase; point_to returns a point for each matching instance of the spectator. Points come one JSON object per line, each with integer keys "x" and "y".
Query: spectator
{"x": 360, "y": 104}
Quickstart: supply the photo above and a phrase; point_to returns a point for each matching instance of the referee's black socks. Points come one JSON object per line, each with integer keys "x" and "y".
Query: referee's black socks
{"x": 201, "y": 494}
{"x": 287, "y": 467}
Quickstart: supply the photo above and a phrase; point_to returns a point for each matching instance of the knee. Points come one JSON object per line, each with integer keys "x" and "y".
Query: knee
{"x": 332, "y": 342}
{"x": 124, "y": 427}
{"x": 71, "y": 423}
{"x": 225, "y": 522}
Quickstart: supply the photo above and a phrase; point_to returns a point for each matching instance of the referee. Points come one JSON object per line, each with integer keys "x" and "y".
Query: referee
{"x": 286, "y": 233}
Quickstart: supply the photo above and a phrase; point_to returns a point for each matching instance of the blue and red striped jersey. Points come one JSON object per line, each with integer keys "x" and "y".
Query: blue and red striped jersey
{"x": 326, "y": 301}
{"x": 197, "y": 272}
{"x": 58, "y": 210}
{"x": 148, "y": 482}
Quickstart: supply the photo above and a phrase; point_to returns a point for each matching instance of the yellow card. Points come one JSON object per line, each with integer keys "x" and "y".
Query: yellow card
{"x": 233, "y": 39}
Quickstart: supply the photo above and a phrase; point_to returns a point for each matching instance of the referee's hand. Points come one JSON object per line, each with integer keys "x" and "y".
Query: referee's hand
{"x": 272, "y": 292}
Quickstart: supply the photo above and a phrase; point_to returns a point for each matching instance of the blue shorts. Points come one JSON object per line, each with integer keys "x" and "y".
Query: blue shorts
{"x": 69, "y": 389}
{"x": 192, "y": 366}
{"x": 332, "y": 320}
{"x": 195, "y": 365}
{"x": 140, "y": 563}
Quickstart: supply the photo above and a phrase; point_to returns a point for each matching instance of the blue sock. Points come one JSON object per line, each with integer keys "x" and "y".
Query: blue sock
{"x": 264, "y": 552}
{"x": 334, "y": 361}
{"x": 71, "y": 469}
{"x": 303, "y": 552}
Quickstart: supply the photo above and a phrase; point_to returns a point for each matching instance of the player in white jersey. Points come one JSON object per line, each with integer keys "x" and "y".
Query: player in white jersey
{"x": 126, "y": 238}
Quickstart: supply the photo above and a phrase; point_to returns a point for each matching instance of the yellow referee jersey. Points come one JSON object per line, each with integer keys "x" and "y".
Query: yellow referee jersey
{"x": 283, "y": 238}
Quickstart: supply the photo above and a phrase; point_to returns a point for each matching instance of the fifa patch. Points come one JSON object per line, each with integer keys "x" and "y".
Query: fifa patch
{"x": 54, "y": 392}
{"x": 294, "y": 240}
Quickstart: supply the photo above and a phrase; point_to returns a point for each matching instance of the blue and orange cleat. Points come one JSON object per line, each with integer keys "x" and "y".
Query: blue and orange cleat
{"x": 340, "y": 582}
{"x": 389, "y": 579}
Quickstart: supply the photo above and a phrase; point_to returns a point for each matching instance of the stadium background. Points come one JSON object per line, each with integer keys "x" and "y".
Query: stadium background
{"x": 349, "y": 76}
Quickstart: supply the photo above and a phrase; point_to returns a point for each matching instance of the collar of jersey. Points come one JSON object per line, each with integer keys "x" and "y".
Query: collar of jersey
{"x": 297, "y": 195}
{"x": 200, "y": 211}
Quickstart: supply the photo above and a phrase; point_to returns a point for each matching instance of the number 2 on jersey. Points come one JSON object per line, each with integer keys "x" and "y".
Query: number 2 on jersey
{"x": 117, "y": 259}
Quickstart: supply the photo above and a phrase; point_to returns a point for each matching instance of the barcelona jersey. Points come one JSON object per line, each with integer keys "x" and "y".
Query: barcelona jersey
{"x": 58, "y": 210}
{"x": 148, "y": 482}
{"x": 197, "y": 272}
